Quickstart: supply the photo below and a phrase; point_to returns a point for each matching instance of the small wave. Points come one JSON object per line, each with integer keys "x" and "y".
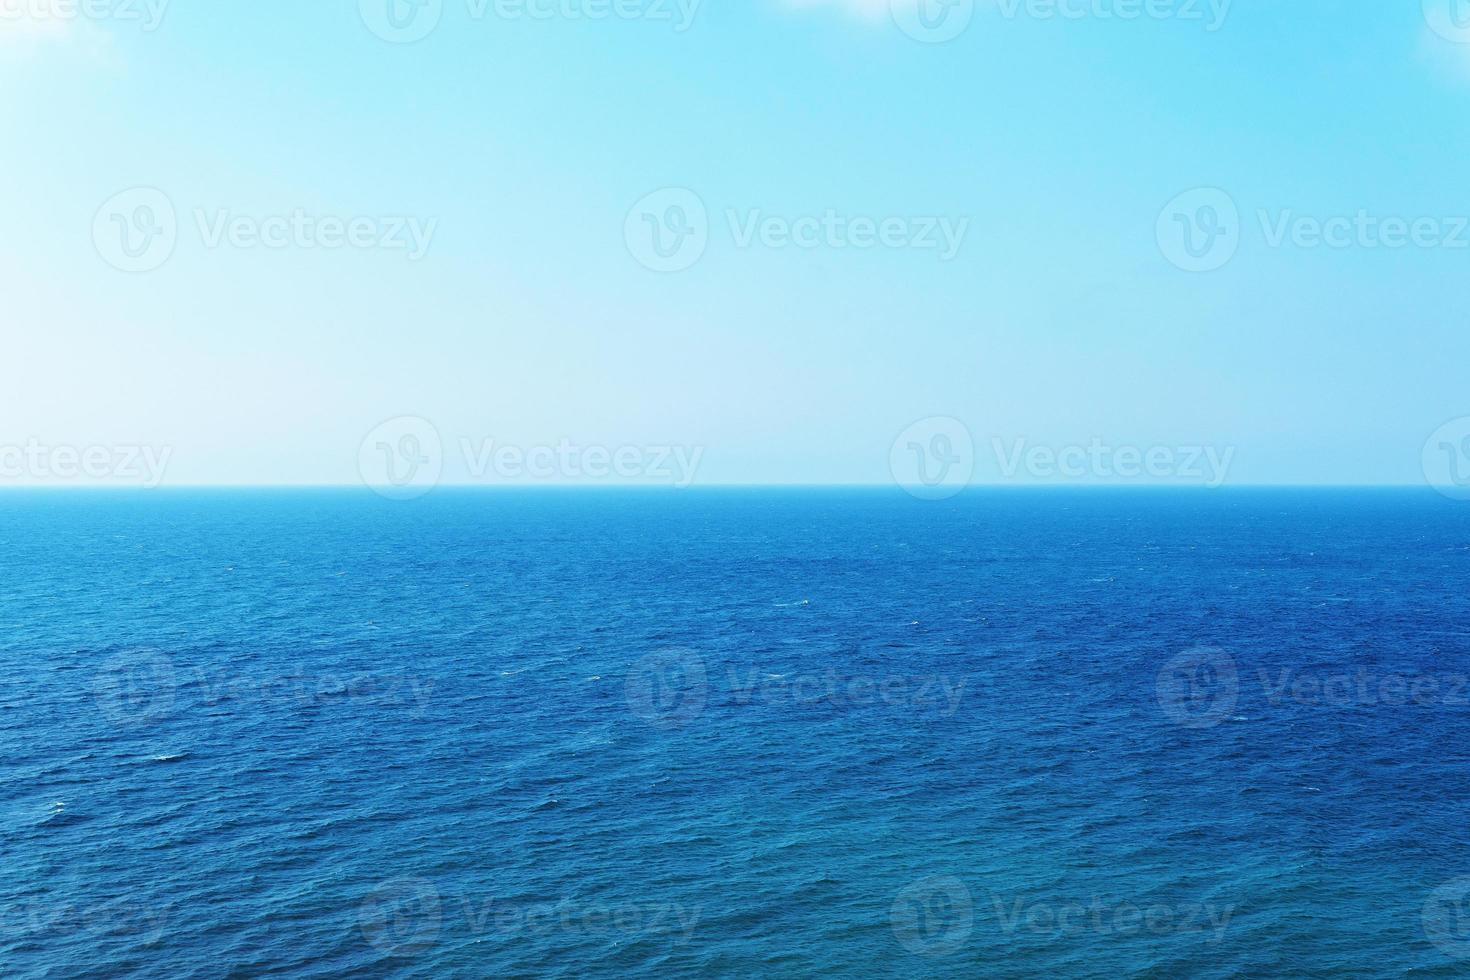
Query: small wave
{"x": 170, "y": 757}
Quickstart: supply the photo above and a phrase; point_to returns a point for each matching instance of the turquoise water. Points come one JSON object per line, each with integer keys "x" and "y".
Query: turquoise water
{"x": 734, "y": 733}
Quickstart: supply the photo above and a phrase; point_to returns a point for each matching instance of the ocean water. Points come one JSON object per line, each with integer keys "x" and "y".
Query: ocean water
{"x": 801, "y": 733}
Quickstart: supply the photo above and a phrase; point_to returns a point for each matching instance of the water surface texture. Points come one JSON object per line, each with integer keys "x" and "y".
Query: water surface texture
{"x": 734, "y": 733}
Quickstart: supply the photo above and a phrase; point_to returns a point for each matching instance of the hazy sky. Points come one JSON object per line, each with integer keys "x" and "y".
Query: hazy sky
{"x": 857, "y": 222}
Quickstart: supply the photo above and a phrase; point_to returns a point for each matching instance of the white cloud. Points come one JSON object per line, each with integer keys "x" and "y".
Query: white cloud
{"x": 29, "y": 29}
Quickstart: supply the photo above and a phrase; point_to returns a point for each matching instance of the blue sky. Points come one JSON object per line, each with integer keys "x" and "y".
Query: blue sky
{"x": 518, "y": 147}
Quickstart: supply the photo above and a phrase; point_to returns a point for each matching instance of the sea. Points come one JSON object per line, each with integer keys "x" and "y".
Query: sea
{"x": 743, "y": 732}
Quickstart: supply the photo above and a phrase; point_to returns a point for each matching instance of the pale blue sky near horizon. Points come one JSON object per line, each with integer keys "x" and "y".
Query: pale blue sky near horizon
{"x": 523, "y": 143}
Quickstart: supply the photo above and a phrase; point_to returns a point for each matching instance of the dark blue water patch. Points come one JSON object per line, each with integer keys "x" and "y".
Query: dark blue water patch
{"x": 754, "y": 732}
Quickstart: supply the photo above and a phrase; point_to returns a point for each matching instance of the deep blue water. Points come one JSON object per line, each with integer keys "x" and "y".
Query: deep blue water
{"x": 734, "y": 733}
